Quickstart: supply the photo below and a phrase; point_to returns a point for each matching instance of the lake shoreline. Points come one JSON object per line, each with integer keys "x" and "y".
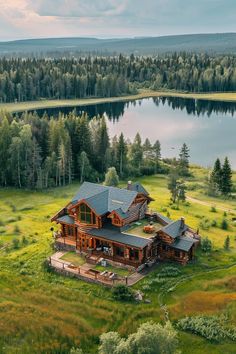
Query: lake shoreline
{"x": 47, "y": 104}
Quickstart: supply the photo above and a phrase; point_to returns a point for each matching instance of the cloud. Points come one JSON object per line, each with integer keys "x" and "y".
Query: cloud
{"x": 81, "y": 8}
{"x": 108, "y": 18}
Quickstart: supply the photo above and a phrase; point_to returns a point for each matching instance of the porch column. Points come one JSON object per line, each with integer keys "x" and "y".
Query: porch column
{"x": 126, "y": 253}
{"x": 140, "y": 255}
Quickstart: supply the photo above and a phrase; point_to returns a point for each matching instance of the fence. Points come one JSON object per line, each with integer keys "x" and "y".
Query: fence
{"x": 86, "y": 274}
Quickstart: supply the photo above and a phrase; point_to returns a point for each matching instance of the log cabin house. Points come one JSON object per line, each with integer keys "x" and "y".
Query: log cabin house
{"x": 98, "y": 218}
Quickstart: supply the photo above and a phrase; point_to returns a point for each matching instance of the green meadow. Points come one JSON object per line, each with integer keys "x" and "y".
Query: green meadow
{"x": 42, "y": 312}
{"x": 46, "y": 104}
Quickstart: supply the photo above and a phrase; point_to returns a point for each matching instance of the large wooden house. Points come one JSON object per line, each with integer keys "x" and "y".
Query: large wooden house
{"x": 97, "y": 220}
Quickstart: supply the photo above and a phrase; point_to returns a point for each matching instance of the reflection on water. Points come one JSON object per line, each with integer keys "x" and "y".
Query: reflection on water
{"x": 207, "y": 127}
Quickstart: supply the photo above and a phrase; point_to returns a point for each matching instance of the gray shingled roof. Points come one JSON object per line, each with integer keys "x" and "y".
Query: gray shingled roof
{"x": 105, "y": 199}
{"x": 174, "y": 229}
{"x": 66, "y": 219}
{"x": 183, "y": 244}
{"x": 114, "y": 234}
{"x": 164, "y": 218}
{"x": 137, "y": 187}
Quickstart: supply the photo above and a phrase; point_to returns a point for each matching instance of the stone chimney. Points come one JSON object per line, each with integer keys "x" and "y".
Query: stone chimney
{"x": 129, "y": 185}
{"x": 182, "y": 223}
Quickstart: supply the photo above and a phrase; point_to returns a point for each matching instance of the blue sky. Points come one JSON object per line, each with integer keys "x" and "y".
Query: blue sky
{"x": 114, "y": 18}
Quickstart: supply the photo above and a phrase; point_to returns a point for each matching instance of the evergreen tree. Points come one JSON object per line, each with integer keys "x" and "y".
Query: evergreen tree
{"x": 216, "y": 177}
{"x": 122, "y": 154}
{"x": 227, "y": 243}
{"x": 226, "y": 181}
{"x": 173, "y": 185}
{"x": 183, "y": 164}
{"x": 157, "y": 154}
{"x": 136, "y": 153}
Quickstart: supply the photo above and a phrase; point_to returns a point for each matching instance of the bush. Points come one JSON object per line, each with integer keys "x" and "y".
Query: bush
{"x": 24, "y": 241}
{"x": 206, "y": 245}
{"x": 212, "y": 328}
{"x": 16, "y": 229}
{"x": 214, "y": 223}
{"x": 169, "y": 272}
{"x": 205, "y": 224}
{"x": 122, "y": 293}
{"x": 227, "y": 243}
{"x": 224, "y": 224}
{"x": 15, "y": 243}
{"x": 213, "y": 209}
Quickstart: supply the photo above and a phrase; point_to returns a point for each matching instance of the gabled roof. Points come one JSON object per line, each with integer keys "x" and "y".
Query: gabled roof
{"x": 137, "y": 187}
{"x": 175, "y": 229}
{"x": 66, "y": 219}
{"x": 104, "y": 199}
{"x": 183, "y": 243}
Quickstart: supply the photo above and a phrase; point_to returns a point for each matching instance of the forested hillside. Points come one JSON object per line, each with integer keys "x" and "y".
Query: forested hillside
{"x": 33, "y": 79}
{"x": 206, "y": 42}
{"x": 41, "y": 152}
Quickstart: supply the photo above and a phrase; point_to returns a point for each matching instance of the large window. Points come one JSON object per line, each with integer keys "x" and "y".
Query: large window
{"x": 86, "y": 215}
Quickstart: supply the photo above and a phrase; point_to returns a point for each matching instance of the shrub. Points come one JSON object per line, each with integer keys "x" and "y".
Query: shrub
{"x": 206, "y": 245}
{"x": 174, "y": 207}
{"x": 205, "y": 224}
{"x": 1, "y": 223}
{"x": 122, "y": 293}
{"x": 150, "y": 338}
{"x": 224, "y": 224}
{"x": 214, "y": 223}
{"x": 213, "y": 328}
{"x": 213, "y": 209}
{"x": 16, "y": 229}
{"x": 15, "y": 243}
{"x": 227, "y": 243}
{"x": 169, "y": 272}
{"x": 24, "y": 241}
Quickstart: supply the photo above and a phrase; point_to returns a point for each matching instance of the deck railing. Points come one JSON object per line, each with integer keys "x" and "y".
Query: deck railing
{"x": 90, "y": 274}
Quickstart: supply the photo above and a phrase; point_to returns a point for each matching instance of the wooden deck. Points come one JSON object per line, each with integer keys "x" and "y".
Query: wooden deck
{"x": 67, "y": 241}
{"x": 87, "y": 273}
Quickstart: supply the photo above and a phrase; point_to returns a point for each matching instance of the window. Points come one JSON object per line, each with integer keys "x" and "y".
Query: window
{"x": 86, "y": 215}
{"x": 120, "y": 251}
{"x": 134, "y": 254}
{"x": 177, "y": 254}
{"x": 165, "y": 247}
{"x": 116, "y": 220}
{"x": 70, "y": 230}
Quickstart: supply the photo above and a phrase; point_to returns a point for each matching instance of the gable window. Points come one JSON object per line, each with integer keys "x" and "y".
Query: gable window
{"x": 116, "y": 220}
{"x": 86, "y": 215}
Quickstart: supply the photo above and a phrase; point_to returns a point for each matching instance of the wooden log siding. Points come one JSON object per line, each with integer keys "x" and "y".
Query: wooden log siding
{"x": 164, "y": 237}
{"x": 172, "y": 254}
{"x": 133, "y": 214}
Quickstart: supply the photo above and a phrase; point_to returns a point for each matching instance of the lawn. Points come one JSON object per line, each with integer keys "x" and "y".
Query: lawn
{"x": 74, "y": 258}
{"x": 120, "y": 271}
{"x": 44, "y": 104}
{"x": 42, "y": 312}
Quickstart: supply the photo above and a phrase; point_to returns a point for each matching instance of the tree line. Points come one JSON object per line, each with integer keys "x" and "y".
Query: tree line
{"x": 26, "y": 79}
{"x": 42, "y": 153}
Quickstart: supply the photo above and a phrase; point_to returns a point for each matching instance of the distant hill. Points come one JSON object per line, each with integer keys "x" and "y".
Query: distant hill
{"x": 211, "y": 43}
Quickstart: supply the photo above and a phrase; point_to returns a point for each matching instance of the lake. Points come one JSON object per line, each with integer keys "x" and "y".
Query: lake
{"x": 207, "y": 127}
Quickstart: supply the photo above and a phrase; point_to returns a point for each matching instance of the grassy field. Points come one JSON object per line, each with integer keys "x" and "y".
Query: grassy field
{"x": 44, "y": 104}
{"x": 42, "y": 312}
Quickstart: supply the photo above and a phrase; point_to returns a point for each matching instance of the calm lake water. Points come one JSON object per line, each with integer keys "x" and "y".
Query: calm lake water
{"x": 208, "y": 128}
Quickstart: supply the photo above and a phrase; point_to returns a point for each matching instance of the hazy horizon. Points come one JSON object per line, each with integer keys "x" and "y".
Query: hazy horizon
{"x": 28, "y": 19}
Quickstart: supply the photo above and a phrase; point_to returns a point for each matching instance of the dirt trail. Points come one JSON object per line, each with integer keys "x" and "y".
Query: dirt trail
{"x": 202, "y": 202}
